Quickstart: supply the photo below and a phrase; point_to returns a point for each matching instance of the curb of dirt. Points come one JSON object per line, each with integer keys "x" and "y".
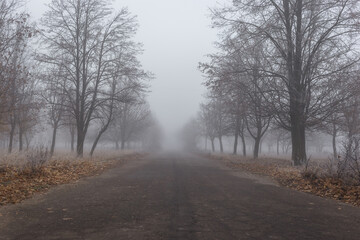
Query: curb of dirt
{"x": 17, "y": 186}
{"x": 292, "y": 177}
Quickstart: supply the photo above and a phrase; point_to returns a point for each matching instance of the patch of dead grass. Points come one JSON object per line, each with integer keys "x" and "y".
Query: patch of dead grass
{"x": 17, "y": 182}
{"x": 310, "y": 181}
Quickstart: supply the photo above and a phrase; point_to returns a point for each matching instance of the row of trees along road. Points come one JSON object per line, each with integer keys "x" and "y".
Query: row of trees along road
{"x": 18, "y": 103}
{"x": 83, "y": 74}
{"x": 291, "y": 64}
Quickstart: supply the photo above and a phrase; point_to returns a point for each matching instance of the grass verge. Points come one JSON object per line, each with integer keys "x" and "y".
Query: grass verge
{"x": 21, "y": 181}
{"x": 308, "y": 180}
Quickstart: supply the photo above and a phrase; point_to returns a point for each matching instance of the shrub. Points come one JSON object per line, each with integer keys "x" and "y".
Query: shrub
{"x": 348, "y": 166}
{"x": 36, "y": 159}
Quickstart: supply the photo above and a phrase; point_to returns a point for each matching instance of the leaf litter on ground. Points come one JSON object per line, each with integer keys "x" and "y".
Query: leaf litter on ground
{"x": 296, "y": 178}
{"x": 19, "y": 183}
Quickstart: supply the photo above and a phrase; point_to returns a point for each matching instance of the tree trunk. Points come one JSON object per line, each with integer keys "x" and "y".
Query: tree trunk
{"x": 52, "y": 149}
{"x": 95, "y": 143}
{"x": 101, "y": 132}
{"x": 123, "y": 127}
{"x": 237, "y": 129}
{"x": 235, "y": 144}
{"x": 221, "y": 144}
{"x": 72, "y": 135}
{"x": 334, "y": 133}
{"x": 260, "y": 146}
{"x": 298, "y": 143}
{"x": 244, "y": 145}
{"x": 11, "y": 138}
{"x": 80, "y": 143}
{"x": 21, "y": 143}
{"x": 296, "y": 90}
{"x": 212, "y": 145}
{"x": 256, "y": 147}
{"x": 277, "y": 146}
{"x": 117, "y": 145}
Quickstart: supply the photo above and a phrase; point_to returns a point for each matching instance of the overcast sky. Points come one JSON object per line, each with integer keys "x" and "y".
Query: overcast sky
{"x": 176, "y": 35}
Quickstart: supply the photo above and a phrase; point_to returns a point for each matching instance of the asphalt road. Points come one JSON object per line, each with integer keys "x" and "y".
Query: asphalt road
{"x": 175, "y": 196}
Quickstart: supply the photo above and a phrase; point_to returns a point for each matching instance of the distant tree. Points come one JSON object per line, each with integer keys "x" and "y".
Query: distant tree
{"x": 14, "y": 32}
{"x": 332, "y": 126}
{"x": 55, "y": 100}
{"x": 190, "y": 135}
{"x": 234, "y": 74}
{"x": 17, "y": 88}
{"x": 207, "y": 123}
{"x": 131, "y": 122}
{"x": 28, "y": 109}
{"x": 219, "y": 113}
{"x": 127, "y": 86}
{"x": 152, "y": 136}
{"x": 134, "y": 119}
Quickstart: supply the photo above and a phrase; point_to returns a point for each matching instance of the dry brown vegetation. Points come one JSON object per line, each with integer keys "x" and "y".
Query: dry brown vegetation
{"x": 317, "y": 178}
{"x": 22, "y": 175}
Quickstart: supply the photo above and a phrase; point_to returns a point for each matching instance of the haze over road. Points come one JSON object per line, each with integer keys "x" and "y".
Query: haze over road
{"x": 177, "y": 196}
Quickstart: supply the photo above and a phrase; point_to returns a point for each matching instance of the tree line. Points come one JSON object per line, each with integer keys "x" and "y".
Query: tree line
{"x": 77, "y": 69}
{"x": 288, "y": 66}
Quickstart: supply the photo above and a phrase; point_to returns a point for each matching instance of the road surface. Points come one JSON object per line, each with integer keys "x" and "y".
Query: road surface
{"x": 174, "y": 196}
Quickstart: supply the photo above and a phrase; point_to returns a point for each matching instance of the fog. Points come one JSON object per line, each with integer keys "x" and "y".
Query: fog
{"x": 194, "y": 74}
{"x": 176, "y": 36}
{"x": 186, "y": 119}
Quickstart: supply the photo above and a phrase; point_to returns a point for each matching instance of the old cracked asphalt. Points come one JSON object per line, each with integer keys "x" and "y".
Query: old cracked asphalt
{"x": 177, "y": 196}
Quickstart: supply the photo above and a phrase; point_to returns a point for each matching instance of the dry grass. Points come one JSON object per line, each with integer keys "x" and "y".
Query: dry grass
{"x": 21, "y": 177}
{"x": 19, "y": 160}
{"x": 317, "y": 178}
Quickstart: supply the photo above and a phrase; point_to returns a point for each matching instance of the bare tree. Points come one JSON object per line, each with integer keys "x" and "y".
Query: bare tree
{"x": 133, "y": 116}
{"x": 18, "y": 84}
{"x": 207, "y": 123}
{"x": 152, "y": 135}
{"x": 127, "y": 85}
{"x": 86, "y": 34}
{"x": 28, "y": 108}
{"x": 14, "y": 31}
{"x": 131, "y": 122}
{"x": 332, "y": 126}
{"x": 235, "y": 74}
{"x": 190, "y": 135}
{"x": 55, "y": 100}
{"x": 219, "y": 113}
